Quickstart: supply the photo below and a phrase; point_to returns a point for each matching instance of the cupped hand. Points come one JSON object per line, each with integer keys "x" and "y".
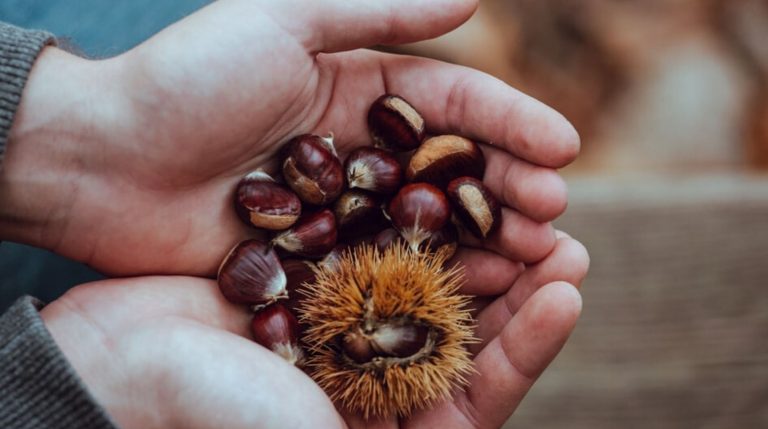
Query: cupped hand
{"x": 129, "y": 164}
{"x": 170, "y": 352}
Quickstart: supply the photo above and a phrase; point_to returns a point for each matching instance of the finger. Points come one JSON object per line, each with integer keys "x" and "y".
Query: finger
{"x": 511, "y": 363}
{"x": 568, "y": 262}
{"x": 486, "y": 273}
{"x": 452, "y": 99}
{"x": 518, "y": 238}
{"x": 455, "y": 99}
{"x": 537, "y": 192}
{"x": 333, "y": 26}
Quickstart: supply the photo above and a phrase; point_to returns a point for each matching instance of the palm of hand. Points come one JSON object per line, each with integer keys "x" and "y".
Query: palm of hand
{"x": 204, "y": 115}
{"x": 185, "y": 359}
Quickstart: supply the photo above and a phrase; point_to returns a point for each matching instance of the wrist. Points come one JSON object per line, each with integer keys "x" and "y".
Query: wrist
{"x": 50, "y": 147}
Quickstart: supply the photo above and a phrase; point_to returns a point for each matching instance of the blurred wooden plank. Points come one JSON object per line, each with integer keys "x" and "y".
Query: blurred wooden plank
{"x": 675, "y": 326}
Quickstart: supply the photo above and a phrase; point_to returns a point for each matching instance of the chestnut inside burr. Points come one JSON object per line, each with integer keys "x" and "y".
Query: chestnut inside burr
{"x": 378, "y": 343}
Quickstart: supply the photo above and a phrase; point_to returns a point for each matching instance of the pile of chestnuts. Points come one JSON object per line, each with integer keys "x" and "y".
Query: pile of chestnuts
{"x": 406, "y": 190}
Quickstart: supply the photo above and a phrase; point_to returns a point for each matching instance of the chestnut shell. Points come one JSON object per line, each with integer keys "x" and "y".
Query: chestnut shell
{"x": 395, "y": 124}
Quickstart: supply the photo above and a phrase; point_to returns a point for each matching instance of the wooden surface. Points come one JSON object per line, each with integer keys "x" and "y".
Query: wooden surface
{"x": 674, "y": 332}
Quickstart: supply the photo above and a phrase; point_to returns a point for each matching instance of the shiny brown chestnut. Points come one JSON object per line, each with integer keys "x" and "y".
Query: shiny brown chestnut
{"x": 418, "y": 211}
{"x": 386, "y": 339}
{"x": 447, "y": 238}
{"x": 374, "y": 170}
{"x": 252, "y": 274}
{"x": 313, "y": 236}
{"x": 277, "y": 329}
{"x": 332, "y": 260}
{"x": 441, "y": 159}
{"x": 386, "y": 238}
{"x": 263, "y": 203}
{"x": 297, "y": 273}
{"x": 312, "y": 169}
{"x": 394, "y": 124}
{"x": 358, "y": 213}
{"x": 477, "y": 209}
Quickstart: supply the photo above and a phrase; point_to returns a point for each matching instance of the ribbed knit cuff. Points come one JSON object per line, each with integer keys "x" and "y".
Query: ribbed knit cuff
{"x": 38, "y": 387}
{"x": 18, "y": 50}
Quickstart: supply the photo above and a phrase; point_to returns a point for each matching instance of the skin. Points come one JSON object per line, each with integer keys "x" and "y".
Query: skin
{"x": 128, "y": 165}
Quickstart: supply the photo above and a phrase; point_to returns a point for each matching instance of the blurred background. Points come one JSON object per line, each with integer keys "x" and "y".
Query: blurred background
{"x": 670, "y": 194}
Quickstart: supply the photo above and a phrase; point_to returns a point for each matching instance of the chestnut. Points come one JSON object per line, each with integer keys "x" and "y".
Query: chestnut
{"x": 277, "y": 329}
{"x": 312, "y": 169}
{"x": 441, "y": 159}
{"x": 358, "y": 213}
{"x": 374, "y": 170}
{"x": 263, "y": 203}
{"x": 399, "y": 339}
{"x": 297, "y": 273}
{"x": 446, "y": 238}
{"x": 332, "y": 260}
{"x": 418, "y": 211}
{"x": 313, "y": 236}
{"x": 394, "y": 124}
{"x": 477, "y": 209}
{"x": 251, "y": 274}
{"x": 386, "y": 238}
{"x": 384, "y": 339}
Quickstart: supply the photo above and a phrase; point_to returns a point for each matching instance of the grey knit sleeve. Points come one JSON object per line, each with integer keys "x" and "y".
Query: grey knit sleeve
{"x": 18, "y": 50}
{"x": 38, "y": 387}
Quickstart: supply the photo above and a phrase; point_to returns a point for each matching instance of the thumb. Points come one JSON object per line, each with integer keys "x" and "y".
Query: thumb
{"x": 341, "y": 25}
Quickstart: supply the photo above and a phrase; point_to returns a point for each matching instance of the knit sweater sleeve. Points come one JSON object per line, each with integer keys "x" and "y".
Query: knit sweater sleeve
{"x": 38, "y": 387}
{"x": 18, "y": 50}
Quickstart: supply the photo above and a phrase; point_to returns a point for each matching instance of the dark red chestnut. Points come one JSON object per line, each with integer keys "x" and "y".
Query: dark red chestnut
{"x": 394, "y": 124}
{"x": 477, "y": 209}
{"x": 443, "y": 158}
{"x": 275, "y": 328}
{"x": 263, "y": 203}
{"x": 387, "y": 238}
{"x": 446, "y": 238}
{"x": 251, "y": 274}
{"x": 332, "y": 260}
{"x": 385, "y": 339}
{"x": 357, "y": 346}
{"x": 418, "y": 211}
{"x": 313, "y": 236}
{"x": 297, "y": 272}
{"x": 312, "y": 169}
{"x": 358, "y": 213}
{"x": 374, "y": 170}
{"x": 399, "y": 340}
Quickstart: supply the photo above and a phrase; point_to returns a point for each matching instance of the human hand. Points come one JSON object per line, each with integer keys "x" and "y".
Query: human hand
{"x": 129, "y": 164}
{"x": 170, "y": 352}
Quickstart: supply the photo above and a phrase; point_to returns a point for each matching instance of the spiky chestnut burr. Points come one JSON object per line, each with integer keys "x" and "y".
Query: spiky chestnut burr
{"x": 387, "y": 331}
